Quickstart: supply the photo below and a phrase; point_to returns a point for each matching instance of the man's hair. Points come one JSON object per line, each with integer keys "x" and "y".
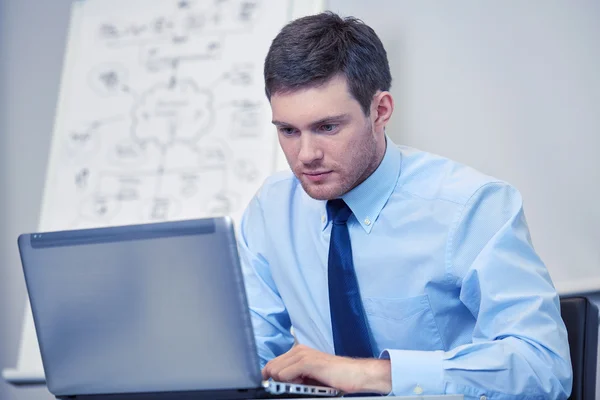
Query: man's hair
{"x": 311, "y": 50}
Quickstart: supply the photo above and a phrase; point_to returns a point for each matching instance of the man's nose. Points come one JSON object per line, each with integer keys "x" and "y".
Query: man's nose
{"x": 309, "y": 149}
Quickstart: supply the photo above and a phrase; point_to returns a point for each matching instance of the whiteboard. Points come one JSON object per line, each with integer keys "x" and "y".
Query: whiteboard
{"x": 161, "y": 116}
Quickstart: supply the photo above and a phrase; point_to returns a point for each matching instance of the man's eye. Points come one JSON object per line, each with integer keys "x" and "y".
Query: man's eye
{"x": 287, "y": 131}
{"x": 328, "y": 127}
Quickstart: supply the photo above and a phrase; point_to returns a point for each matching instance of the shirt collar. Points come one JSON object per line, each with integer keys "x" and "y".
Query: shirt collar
{"x": 368, "y": 199}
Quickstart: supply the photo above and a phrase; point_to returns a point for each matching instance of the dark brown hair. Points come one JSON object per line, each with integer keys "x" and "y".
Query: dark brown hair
{"x": 311, "y": 50}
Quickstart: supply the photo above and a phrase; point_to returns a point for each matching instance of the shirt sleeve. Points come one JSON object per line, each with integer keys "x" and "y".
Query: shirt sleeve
{"x": 270, "y": 320}
{"x": 519, "y": 346}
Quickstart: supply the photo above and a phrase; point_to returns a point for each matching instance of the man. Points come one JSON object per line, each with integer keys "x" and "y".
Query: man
{"x": 401, "y": 272}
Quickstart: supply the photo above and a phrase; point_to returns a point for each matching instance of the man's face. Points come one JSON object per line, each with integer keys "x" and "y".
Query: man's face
{"x": 329, "y": 143}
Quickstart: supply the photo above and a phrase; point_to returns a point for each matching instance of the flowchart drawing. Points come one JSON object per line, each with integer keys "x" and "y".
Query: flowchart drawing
{"x": 165, "y": 115}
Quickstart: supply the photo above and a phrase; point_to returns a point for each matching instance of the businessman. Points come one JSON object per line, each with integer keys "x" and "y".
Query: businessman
{"x": 400, "y": 271}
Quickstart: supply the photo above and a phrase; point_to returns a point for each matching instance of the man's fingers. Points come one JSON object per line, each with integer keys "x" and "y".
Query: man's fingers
{"x": 273, "y": 367}
{"x": 291, "y": 373}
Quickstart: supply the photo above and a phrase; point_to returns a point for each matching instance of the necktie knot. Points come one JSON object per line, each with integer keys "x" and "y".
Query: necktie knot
{"x": 339, "y": 211}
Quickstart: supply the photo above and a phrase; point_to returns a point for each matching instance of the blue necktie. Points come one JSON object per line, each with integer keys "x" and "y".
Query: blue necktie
{"x": 348, "y": 320}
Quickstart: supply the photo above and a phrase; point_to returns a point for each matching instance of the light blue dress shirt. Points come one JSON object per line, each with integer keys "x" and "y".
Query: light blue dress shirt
{"x": 455, "y": 295}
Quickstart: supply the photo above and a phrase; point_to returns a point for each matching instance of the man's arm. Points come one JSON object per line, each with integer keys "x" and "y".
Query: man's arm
{"x": 520, "y": 347}
{"x": 270, "y": 320}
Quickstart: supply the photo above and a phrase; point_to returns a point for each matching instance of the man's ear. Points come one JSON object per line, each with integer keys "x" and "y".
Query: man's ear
{"x": 381, "y": 110}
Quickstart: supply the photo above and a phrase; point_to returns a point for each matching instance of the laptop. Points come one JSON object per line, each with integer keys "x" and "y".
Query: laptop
{"x": 149, "y": 311}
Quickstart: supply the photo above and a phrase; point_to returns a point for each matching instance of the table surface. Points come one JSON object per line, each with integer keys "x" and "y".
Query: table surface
{"x": 439, "y": 397}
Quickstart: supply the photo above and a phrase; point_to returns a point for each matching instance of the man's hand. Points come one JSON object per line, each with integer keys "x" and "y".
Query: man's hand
{"x": 351, "y": 375}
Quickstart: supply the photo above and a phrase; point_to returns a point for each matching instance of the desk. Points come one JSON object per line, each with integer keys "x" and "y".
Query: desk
{"x": 440, "y": 397}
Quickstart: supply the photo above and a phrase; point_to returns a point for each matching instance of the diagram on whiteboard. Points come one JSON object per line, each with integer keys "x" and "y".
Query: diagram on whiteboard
{"x": 164, "y": 116}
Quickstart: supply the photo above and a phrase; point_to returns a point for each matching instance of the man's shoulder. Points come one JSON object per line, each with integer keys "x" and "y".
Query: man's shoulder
{"x": 433, "y": 177}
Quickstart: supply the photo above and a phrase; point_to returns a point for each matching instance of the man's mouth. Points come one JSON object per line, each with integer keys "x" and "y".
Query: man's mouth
{"x": 316, "y": 176}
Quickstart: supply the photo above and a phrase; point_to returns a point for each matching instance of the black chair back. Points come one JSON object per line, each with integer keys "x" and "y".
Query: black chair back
{"x": 581, "y": 320}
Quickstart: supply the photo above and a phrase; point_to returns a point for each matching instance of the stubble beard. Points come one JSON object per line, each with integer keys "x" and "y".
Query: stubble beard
{"x": 362, "y": 165}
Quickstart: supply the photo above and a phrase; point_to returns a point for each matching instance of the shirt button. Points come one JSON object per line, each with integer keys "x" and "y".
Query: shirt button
{"x": 483, "y": 398}
{"x": 323, "y": 218}
{"x": 367, "y": 221}
{"x": 418, "y": 390}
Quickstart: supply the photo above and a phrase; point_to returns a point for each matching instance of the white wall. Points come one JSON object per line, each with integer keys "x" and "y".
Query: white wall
{"x": 33, "y": 35}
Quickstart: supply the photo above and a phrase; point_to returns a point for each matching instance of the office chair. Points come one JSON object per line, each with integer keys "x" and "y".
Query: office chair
{"x": 581, "y": 319}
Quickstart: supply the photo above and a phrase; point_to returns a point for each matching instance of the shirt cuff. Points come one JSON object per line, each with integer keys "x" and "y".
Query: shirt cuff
{"x": 416, "y": 372}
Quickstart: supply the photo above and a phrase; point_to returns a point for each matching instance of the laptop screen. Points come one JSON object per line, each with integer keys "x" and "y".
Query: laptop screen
{"x": 145, "y": 308}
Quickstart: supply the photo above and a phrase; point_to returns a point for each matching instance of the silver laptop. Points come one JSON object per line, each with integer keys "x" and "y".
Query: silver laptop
{"x": 146, "y": 312}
